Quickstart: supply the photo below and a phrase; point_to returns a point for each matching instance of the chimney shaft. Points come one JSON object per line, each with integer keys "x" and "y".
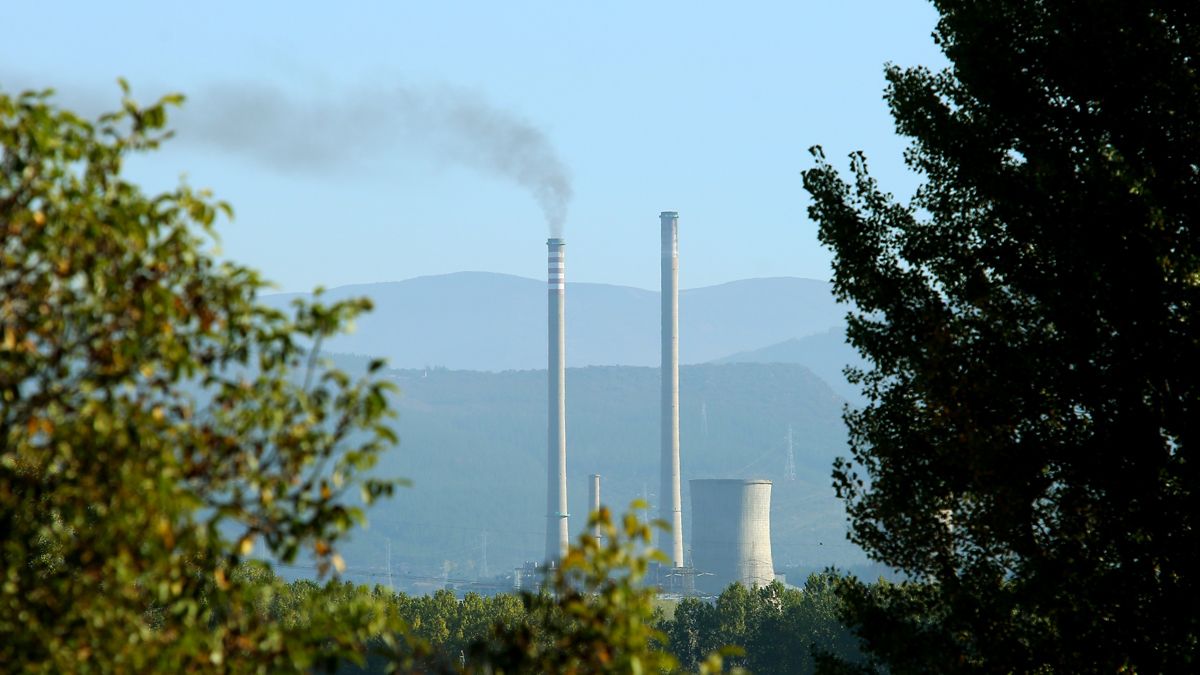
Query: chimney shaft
{"x": 557, "y": 535}
{"x": 670, "y": 508}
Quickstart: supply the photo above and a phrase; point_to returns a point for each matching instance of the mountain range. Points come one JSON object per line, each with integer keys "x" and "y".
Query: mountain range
{"x": 826, "y": 354}
{"x": 494, "y": 322}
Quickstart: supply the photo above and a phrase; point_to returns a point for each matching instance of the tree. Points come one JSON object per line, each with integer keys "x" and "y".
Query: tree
{"x": 1031, "y": 323}
{"x": 157, "y": 423}
{"x": 782, "y": 630}
{"x": 594, "y": 615}
{"x": 692, "y": 632}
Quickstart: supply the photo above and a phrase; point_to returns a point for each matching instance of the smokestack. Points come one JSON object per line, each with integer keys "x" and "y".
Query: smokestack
{"x": 594, "y": 500}
{"x": 670, "y": 509}
{"x": 556, "y": 464}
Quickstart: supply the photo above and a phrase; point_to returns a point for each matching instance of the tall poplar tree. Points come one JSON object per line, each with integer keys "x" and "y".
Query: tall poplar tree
{"x": 1032, "y": 323}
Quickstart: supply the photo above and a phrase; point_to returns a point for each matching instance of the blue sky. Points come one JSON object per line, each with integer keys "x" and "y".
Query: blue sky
{"x": 322, "y": 124}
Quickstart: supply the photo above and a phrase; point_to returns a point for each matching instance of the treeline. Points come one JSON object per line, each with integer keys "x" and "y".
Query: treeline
{"x": 772, "y": 629}
{"x": 780, "y": 629}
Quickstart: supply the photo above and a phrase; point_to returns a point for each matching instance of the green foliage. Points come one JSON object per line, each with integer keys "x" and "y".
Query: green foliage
{"x": 152, "y": 433}
{"x": 781, "y": 630}
{"x": 1031, "y": 320}
{"x": 596, "y": 618}
{"x": 594, "y": 614}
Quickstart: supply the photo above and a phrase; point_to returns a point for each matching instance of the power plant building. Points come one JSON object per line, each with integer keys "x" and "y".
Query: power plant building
{"x": 731, "y": 533}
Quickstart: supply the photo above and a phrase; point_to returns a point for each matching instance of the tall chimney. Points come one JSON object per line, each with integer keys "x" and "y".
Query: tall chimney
{"x": 670, "y": 509}
{"x": 556, "y": 465}
{"x": 594, "y": 500}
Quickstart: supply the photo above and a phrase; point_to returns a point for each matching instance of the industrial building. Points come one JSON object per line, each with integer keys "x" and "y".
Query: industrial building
{"x": 731, "y": 517}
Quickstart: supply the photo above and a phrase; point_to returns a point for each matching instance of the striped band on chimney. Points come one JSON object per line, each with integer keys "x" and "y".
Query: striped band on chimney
{"x": 555, "y": 278}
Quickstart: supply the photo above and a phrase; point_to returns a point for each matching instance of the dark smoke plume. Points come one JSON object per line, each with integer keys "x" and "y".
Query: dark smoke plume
{"x": 440, "y": 123}
{"x": 322, "y": 133}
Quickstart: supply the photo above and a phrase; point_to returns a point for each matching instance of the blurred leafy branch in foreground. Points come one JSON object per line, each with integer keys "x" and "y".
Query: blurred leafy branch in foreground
{"x": 153, "y": 429}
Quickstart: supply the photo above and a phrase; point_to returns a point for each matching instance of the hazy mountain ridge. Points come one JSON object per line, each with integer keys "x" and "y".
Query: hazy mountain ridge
{"x": 826, "y": 354}
{"x": 494, "y": 322}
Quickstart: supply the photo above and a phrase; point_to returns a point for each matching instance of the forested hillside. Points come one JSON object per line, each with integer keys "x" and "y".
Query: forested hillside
{"x": 474, "y": 445}
{"x": 826, "y": 354}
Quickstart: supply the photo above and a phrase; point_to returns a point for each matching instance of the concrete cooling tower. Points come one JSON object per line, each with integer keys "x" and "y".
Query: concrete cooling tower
{"x": 731, "y": 533}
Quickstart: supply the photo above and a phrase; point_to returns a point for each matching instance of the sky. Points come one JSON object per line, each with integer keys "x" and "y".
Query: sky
{"x": 366, "y": 142}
